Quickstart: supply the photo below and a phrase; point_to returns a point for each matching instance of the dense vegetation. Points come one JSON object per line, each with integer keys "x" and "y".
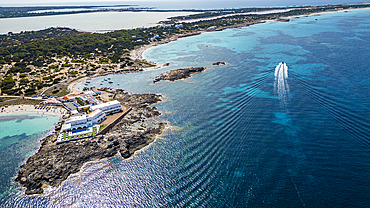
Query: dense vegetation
{"x": 14, "y": 39}
{"x": 215, "y": 13}
{"x": 73, "y": 44}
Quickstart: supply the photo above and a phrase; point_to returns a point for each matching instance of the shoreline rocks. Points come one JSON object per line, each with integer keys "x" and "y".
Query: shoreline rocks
{"x": 53, "y": 162}
{"x": 219, "y": 63}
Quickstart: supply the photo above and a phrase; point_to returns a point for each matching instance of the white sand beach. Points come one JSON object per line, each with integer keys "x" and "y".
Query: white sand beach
{"x": 51, "y": 110}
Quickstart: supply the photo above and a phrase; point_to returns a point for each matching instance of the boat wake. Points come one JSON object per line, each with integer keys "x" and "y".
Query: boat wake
{"x": 281, "y": 83}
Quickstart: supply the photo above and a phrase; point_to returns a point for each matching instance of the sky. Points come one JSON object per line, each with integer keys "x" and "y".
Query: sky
{"x": 59, "y": 2}
{"x": 172, "y": 3}
{"x": 65, "y": 2}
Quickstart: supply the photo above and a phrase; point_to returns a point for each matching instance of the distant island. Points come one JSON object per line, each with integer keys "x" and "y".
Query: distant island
{"x": 44, "y": 66}
{"x": 12, "y": 12}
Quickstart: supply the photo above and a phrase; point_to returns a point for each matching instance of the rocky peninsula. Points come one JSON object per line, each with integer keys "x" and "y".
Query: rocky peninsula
{"x": 54, "y": 162}
{"x": 177, "y": 74}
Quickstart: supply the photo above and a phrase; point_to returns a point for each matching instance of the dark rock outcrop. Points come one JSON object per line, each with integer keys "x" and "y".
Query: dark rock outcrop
{"x": 54, "y": 162}
{"x": 177, "y": 74}
{"x": 219, "y": 63}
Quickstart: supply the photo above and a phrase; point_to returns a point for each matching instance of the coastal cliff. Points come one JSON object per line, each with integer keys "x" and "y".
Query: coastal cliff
{"x": 53, "y": 163}
{"x": 177, "y": 74}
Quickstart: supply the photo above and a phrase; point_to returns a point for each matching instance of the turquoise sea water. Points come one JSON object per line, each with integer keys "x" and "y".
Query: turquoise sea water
{"x": 246, "y": 134}
{"x": 19, "y": 139}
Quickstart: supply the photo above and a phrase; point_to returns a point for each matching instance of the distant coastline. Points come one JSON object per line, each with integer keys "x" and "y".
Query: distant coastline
{"x": 12, "y": 12}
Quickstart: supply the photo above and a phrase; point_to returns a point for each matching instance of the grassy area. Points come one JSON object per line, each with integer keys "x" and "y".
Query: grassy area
{"x": 103, "y": 126}
{"x": 59, "y": 90}
{"x": 94, "y": 131}
{"x": 21, "y": 101}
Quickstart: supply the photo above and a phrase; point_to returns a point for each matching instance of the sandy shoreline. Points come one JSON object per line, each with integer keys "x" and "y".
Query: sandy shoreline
{"x": 18, "y": 109}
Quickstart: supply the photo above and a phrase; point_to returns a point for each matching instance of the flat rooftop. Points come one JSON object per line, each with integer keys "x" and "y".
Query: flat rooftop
{"x": 102, "y": 105}
{"x": 77, "y": 118}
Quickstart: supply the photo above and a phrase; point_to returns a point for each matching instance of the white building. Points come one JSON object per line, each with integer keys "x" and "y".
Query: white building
{"x": 84, "y": 121}
{"x": 90, "y": 93}
{"x": 212, "y": 28}
{"x": 108, "y": 108}
{"x": 74, "y": 123}
{"x": 97, "y": 115}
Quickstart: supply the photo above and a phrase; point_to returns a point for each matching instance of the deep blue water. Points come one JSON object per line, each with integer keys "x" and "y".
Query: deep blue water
{"x": 241, "y": 136}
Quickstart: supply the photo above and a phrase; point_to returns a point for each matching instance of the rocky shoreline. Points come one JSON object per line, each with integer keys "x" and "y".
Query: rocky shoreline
{"x": 177, "y": 74}
{"x": 53, "y": 163}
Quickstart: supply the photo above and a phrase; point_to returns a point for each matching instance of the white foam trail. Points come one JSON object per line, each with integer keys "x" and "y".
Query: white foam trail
{"x": 281, "y": 82}
{"x": 285, "y": 71}
{"x": 277, "y": 70}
